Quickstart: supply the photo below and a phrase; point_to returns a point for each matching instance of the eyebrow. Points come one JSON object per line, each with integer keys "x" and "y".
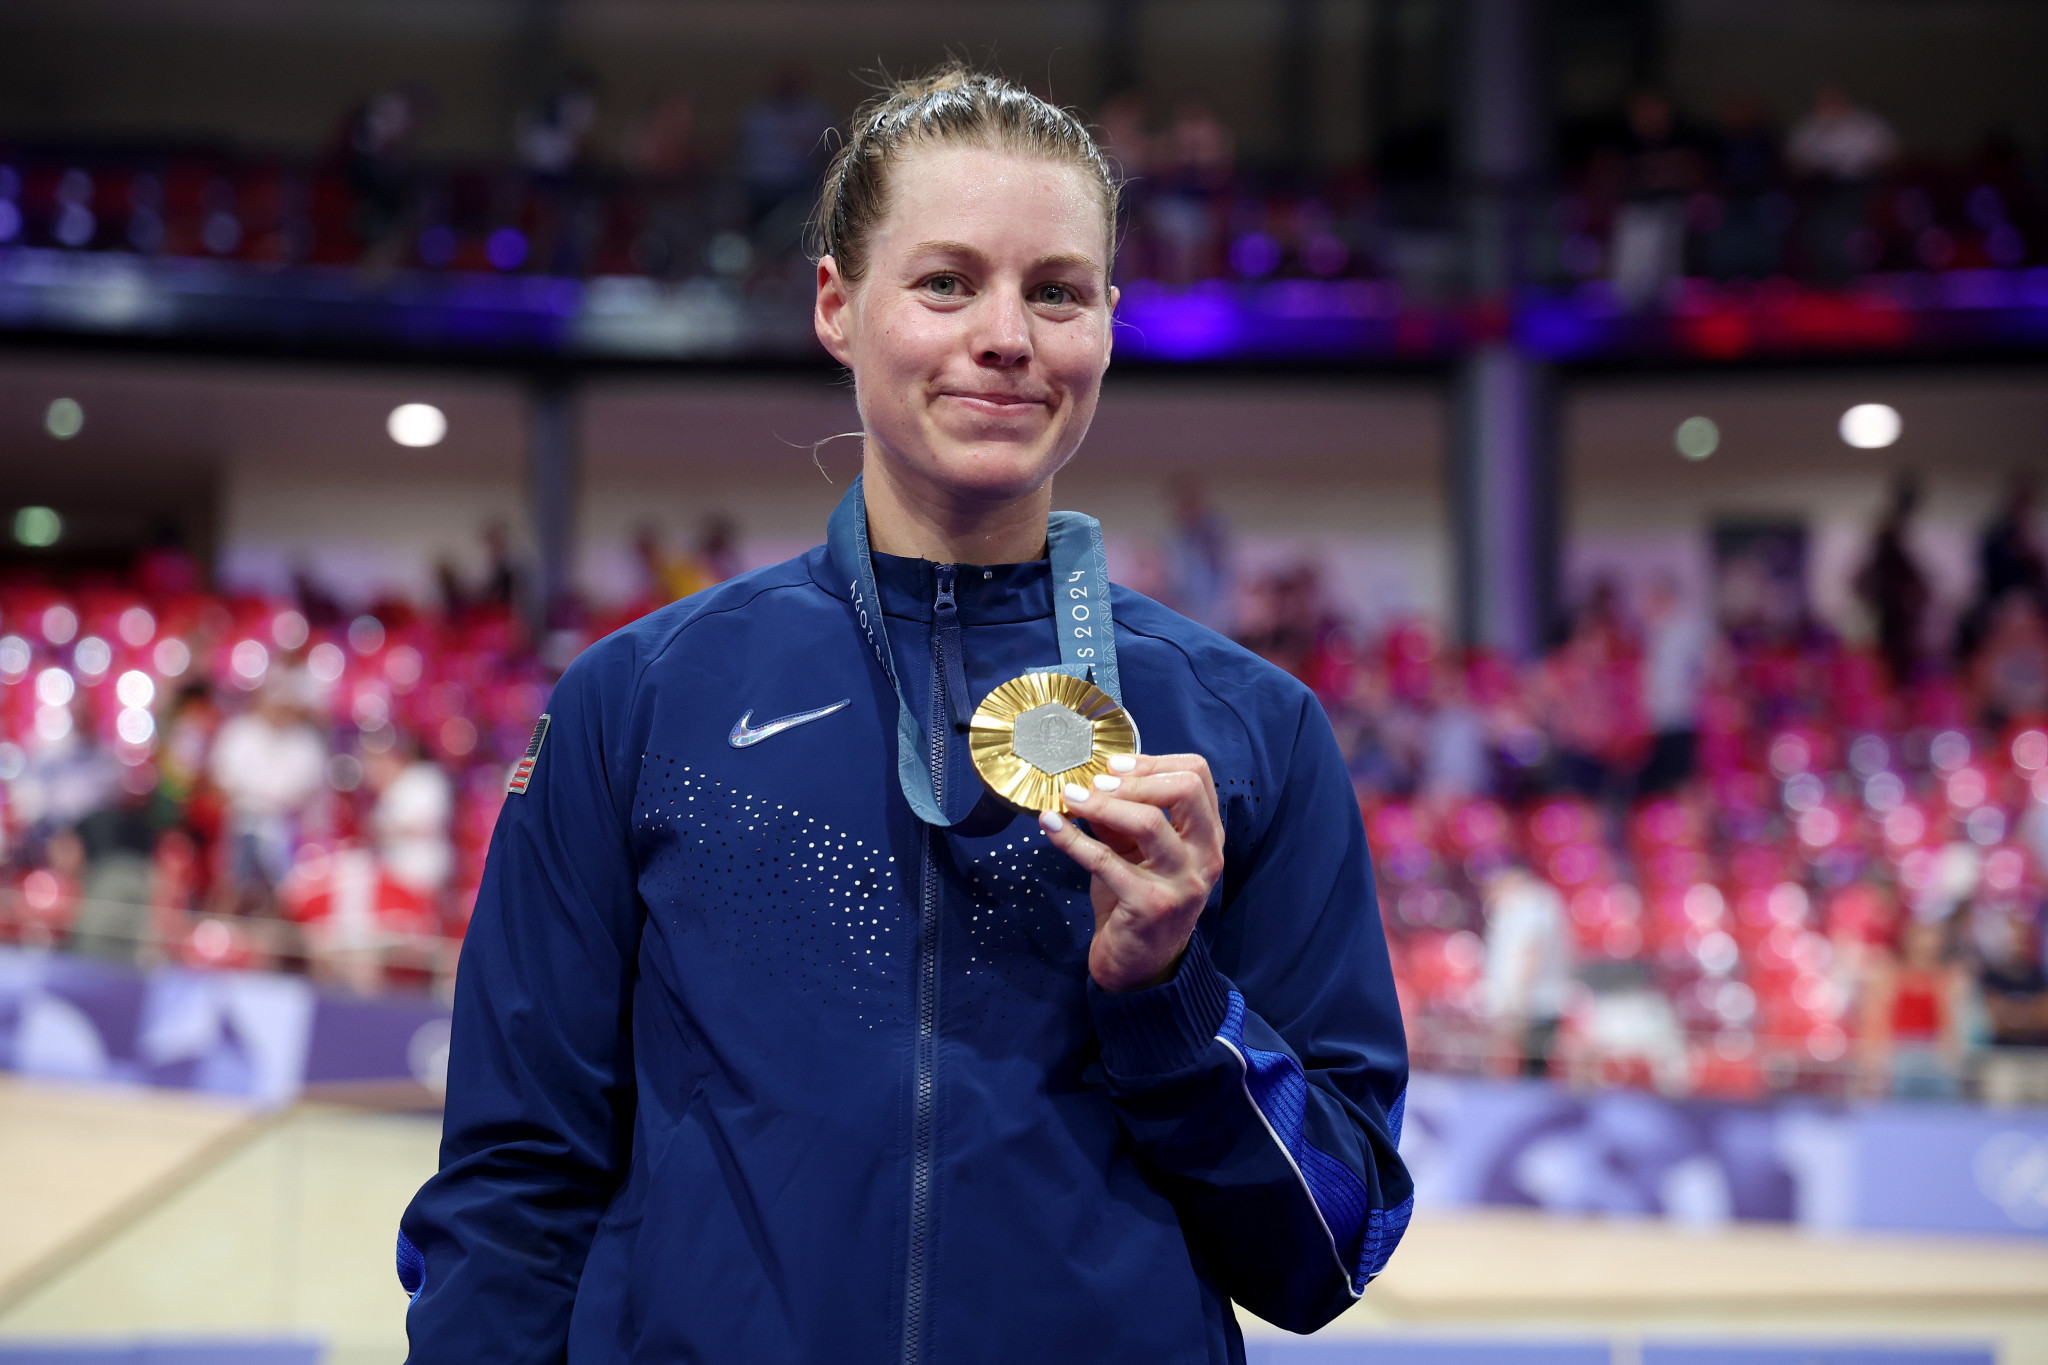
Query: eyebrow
{"x": 1065, "y": 258}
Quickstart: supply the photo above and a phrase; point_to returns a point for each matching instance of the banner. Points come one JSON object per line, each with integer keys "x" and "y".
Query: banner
{"x": 1632, "y": 1153}
{"x": 259, "y": 1036}
{"x": 1530, "y": 1144}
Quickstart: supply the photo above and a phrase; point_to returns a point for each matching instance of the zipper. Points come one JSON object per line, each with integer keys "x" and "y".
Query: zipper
{"x": 945, "y": 635}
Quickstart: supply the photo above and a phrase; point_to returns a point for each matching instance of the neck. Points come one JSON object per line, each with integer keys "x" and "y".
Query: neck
{"x": 919, "y": 520}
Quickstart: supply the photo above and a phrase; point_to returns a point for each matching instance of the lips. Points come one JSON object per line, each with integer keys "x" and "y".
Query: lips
{"x": 998, "y": 404}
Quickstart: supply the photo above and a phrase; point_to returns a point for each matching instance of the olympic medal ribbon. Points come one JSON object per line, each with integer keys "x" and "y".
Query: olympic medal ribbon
{"x": 1081, "y": 612}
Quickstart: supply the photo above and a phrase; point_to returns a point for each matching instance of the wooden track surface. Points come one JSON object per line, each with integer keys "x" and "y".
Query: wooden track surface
{"x": 1499, "y": 1261}
{"x": 79, "y": 1162}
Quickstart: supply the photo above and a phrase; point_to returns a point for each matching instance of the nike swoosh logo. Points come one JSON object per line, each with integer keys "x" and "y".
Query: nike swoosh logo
{"x": 744, "y": 734}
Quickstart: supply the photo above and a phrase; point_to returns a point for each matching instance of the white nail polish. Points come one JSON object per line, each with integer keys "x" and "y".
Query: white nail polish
{"x": 1124, "y": 763}
{"x": 1052, "y": 821}
{"x": 1075, "y": 792}
{"x": 1105, "y": 783}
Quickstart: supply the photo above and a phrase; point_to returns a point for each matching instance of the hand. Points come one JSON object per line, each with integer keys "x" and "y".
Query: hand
{"x": 1156, "y": 853}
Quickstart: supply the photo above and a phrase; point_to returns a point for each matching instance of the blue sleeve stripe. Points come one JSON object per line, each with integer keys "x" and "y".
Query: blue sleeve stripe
{"x": 1360, "y": 1235}
{"x": 1383, "y": 1229}
{"x": 412, "y": 1266}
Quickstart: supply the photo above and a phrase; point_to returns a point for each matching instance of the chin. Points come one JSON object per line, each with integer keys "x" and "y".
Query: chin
{"x": 991, "y": 471}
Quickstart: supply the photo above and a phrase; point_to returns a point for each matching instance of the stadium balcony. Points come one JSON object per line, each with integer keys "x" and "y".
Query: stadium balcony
{"x": 500, "y": 264}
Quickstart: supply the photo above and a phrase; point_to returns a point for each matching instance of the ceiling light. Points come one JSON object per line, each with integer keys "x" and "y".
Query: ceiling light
{"x": 1697, "y": 438}
{"x": 417, "y": 424}
{"x": 64, "y": 419}
{"x": 1871, "y": 426}
{"x": 37, "y": 527}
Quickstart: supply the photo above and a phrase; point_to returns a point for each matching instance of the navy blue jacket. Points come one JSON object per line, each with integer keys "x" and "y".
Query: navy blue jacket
{"x": 752, "y": 1066}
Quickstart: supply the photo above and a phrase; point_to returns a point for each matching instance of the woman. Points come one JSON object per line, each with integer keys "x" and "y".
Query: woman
{"x": 1912, "y": 1015}
{"x": 785, "y": 1039}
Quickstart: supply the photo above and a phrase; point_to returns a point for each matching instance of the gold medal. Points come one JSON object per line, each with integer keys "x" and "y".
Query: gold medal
{"x": 1040, "y": 731}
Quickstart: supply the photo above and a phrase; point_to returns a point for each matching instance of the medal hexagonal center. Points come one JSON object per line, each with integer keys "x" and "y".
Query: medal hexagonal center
{"x": 1053, "y": 738}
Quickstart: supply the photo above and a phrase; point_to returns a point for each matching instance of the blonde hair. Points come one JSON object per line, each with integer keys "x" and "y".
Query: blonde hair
{"x": 950, "y": 106}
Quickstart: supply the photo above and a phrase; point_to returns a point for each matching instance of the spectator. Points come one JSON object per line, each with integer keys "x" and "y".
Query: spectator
{"x": 414, "y": 803}
{"x": 174, "y": 877}
{"x": 316, "y": 604}
{"x": 377, "y": 160}
{"x": 2009, "y": 557}
{"x": 671, "y": 578}
{"x": 1369, "y": 729}
{"x": 166, "y": 569}
{"x": 1581, "y": 703}
{"x": 1199, "y": 579}
{"x": 782, "y": 146}
{"x": 1840, "y": 142}
{"x": 718, "y": 551}
{"x": 1840, "y": 150}
{"x": 677, "y": 212}
{"x": 185, "y": 737}
{"x": 1528, "y": 980}
{"x": 2014, "y": 987}
{"x": 2010, "y": 675}
{"x": 553, "y": 140}
{"x": 271, "y": 766}
{"x": 1676, "y": 641}
{"x": 115, "y": 912}
{"x": 1455, "y": 762}
{"x": 453, "y": 591}
{"x": 664, "y": 145}
{"x": 1124, "y": 134}
{"x": 1913, "y": 1004}
{"x": 1746, "y": 242}
{"x": 65, "y": 780}
{"x": 1893, "y": 587}
{"x": 2009, "y": 560}
{"x": 1292, "y": 627}
{"x": 1660, "y": 173}
{"x": 552, "y": 135}
{"x": 1863, "y": 923}
{"x": 49, "y": 897}
{"x": 1197, "y": 159}
{"x": 354, "y": 916}
{"x": 668, "y": 576}
{"x": 504, "y": 587}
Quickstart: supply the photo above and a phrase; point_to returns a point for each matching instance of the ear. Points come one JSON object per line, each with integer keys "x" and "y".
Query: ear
{"x": 830, "y": 315}
{"x": 1109, "y": 332}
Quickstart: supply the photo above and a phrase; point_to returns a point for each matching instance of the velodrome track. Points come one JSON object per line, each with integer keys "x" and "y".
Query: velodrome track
{"x": 135, "y": 1215}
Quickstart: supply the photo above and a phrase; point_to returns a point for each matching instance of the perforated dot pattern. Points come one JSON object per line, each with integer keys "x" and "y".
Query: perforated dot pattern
{"x": 1028, "y": 922}
{"x": 805, "y": 904}
{"x": 831, "y": 917}
{"x": 1243, "y": 809}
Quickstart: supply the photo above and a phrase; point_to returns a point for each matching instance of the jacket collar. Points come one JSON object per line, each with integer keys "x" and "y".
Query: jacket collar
{"x": 988, "y": 594}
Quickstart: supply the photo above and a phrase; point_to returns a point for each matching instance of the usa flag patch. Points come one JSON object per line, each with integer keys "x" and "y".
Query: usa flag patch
{"x": 522, "y": 771}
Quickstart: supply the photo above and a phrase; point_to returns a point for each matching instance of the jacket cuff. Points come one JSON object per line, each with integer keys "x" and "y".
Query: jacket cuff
{"x": 1165, "y": 1028}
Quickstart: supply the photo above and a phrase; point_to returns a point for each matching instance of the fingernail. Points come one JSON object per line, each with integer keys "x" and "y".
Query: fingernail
{"x": 1105, "y": 783}
{"x": 1052, "y": 820}
{"x": 1075, "y": 792}
{"x": 1124, "y": 763}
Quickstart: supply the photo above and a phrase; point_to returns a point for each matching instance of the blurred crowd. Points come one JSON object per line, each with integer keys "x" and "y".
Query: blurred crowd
{"x": 225, "y": 781}
{"x": 1662, "y": 195}
{"x": 1716, "y": 851}
{"x": 1696, "y": 846}
{"x": 587, "y": 188}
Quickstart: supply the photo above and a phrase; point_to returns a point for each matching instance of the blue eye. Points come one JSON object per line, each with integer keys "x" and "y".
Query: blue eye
{"x": 946, "y": 285}
{"x": 1055, "y": 293}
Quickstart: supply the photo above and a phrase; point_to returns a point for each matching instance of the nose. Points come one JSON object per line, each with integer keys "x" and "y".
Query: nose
{"x": 1002, "y": 336}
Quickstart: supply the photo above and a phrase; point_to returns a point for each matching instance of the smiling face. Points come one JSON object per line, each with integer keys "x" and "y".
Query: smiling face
{"x": 979, "y": 331}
